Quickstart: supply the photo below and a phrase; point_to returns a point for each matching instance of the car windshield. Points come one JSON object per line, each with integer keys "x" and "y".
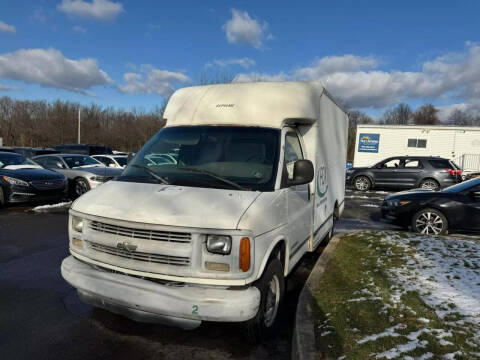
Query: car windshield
{"x": 462, "y": 186}
{"x": 76, "y": 161}
{"x": 14, "y": 159}
{"x": 209, "y": 156}
{"x": 122, "y": 160}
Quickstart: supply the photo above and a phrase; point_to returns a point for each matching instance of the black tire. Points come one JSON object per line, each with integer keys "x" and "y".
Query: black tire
{"x": 80, "y": 187}
{"x": 362, "y": 183}
{"x": 429, "y": 184}
{"x": 261, "y": 326}
{"x": 2, "y": 197}
{"x": 430, "y": 222}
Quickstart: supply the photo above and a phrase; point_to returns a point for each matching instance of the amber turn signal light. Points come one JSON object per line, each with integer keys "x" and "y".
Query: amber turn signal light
{"x": 244, "y": 254}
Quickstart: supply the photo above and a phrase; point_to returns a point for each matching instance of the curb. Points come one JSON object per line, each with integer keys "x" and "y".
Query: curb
{"x": 303, "y": 341}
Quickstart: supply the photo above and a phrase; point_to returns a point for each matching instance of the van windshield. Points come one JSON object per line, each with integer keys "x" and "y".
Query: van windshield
{"x": 209, "y": 156}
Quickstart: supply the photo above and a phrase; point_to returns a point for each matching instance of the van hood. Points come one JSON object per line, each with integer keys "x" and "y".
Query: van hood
{"x": 167, "y": 204}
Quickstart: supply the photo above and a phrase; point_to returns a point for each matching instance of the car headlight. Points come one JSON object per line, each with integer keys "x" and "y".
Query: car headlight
{"x": 14, "y": 181}
{"x": 98, "y": 178}
{"x": 77, "y": 224}
{"x": 395, "y": 203}
{"x": 219, "y": 244}
{"x": 350, "y": 171}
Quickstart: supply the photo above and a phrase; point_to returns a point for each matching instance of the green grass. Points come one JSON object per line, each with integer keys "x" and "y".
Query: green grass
{"x": 361, "y": 261}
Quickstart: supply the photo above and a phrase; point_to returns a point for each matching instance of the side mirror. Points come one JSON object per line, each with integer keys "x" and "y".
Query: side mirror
{"x": 302, "y": 173}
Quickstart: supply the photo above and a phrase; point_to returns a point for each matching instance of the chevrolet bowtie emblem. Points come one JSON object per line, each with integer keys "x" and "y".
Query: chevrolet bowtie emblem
{"x": 127, "y": 246}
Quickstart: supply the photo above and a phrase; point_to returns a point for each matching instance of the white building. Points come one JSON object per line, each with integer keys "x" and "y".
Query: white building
{"x": 458, "y": 143}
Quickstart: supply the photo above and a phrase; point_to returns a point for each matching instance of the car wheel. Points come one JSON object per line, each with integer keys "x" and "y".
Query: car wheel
{"x": 430, "y": 222}
{"x": 2, "y": 198}
{"x": 272, "y": 288}
{"x": 81, "y": 186}
{"x": 429, "y": 184}
{"x": 362, "y": 183}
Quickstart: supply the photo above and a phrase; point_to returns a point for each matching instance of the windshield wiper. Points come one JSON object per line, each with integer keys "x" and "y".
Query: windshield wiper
{"x": 213, "y": 175}
{"x": 146, "y": 169}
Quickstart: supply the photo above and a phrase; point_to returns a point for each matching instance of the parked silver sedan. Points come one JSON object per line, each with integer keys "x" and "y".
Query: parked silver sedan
{"x": 82, "y": 171}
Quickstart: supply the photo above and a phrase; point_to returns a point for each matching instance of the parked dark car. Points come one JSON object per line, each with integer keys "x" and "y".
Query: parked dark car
{"x": 435, "y": 212}
{"x": 82, "y": 171}
{"x": 30, "y": 152}
{"x": 406, "y": 172}
{"x": 22, "y": 180}
{"x": 84, "y": 149}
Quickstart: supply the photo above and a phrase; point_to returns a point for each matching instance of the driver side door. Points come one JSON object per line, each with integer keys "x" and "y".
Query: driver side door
{"x": 472, "y": 203}
{"x": 387, "y": 173}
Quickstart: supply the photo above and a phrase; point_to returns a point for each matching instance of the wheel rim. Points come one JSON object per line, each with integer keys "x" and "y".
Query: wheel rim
{"x": 81, "y": 188}
{"x": 429, "y": 223}
{"x": 361, "y": 183}
{"x": 272, "y": 301}
{"x": 429, "y": 185}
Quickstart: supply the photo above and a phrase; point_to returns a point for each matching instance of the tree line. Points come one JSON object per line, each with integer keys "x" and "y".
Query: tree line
{"x": 39, "y": 123}
{"x": 44, "y": 124}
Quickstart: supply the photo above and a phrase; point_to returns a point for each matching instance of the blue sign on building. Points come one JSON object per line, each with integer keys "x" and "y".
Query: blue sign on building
{"x": 368, "y": 143}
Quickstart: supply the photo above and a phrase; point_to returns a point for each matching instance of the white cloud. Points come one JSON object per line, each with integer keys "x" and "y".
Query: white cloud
{"x": 244, "y": 62}
{"x": 8, "y": 88}
{"x": 4, "y": 27}
{"x": 151, "y": 81}
{"x": 96, "y": 10}
{"x": 79, "y": 29}
{"x": 242, "y": 29}
{"x": 356, "y": 80}
{"x": 50, "y": 68}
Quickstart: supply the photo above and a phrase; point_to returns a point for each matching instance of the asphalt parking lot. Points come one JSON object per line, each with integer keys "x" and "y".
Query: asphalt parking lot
{"x": 42, "y": 318}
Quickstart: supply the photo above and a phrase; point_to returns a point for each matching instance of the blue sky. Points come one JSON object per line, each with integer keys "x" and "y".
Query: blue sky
{"x": 125, "y": 53}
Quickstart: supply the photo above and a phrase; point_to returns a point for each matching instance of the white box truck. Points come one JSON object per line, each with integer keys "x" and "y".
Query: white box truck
{"x": 216, "y": 209}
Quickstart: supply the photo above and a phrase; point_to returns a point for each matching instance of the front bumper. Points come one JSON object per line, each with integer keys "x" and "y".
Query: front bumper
{"x": 30, "y": 195}
{"x": 148, "y": 301}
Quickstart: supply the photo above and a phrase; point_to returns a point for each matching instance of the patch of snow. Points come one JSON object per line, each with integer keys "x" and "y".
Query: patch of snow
{"x": 54, "y": 207}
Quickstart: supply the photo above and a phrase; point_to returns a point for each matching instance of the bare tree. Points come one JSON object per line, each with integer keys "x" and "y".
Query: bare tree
{"x": 426, "y": 115}
{"x": 355, "y": 118}
{"x": 399, "y": 115}
{"x": 459, "y": 117}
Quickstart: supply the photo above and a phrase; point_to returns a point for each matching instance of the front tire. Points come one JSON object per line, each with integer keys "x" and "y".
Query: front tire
{"x": 81, "y": 187}
{"x": 362, "y": 183}
{"x": 272, "y": 289}
{"x": 2, "y": 198}
{"x": 430, "y": 222}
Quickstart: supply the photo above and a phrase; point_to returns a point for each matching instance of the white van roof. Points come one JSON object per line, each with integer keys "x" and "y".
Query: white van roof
{"x": 269, "y": 104}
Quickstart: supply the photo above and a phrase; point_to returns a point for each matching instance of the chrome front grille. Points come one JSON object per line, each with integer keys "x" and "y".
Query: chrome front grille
{"x": 140, "y": 256}
{"x": 168, "y": 236}
{"x": 48, "y": 184}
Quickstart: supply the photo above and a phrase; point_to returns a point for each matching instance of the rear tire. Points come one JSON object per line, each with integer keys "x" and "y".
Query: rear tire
{"x": 429, "y": 184}
{"x": 430, "y": 222}
{"x": 362, "y": 183}
{"x": 272, "y": 289}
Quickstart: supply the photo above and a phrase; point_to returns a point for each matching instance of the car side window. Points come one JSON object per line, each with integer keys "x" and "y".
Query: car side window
{"x": 54, "y": 163}
{"x": 293, "y": 152}
{"x": 102, "y": 159}
{"x": 391, "y": 164}
{"x": 412, "y": 164}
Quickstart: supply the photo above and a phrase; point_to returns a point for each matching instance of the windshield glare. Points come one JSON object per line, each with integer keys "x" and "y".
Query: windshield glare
{"x": 80, "y": 160}
{"x": 246, "y": 156}
{"x": 14, "y": 159}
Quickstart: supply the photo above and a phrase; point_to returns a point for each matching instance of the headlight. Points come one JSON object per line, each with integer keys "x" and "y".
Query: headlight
{"x": 98, "y": 178}
{"x": 14, "y": 181}
{"x": 350, "y": 171}
{"x": 219, "y": 244}
{"x": 77, "y": 224}
{"x": 395, "y": 203}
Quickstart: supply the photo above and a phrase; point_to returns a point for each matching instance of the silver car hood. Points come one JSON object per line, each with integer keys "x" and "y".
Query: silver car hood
{"x": 167, "y": 204}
